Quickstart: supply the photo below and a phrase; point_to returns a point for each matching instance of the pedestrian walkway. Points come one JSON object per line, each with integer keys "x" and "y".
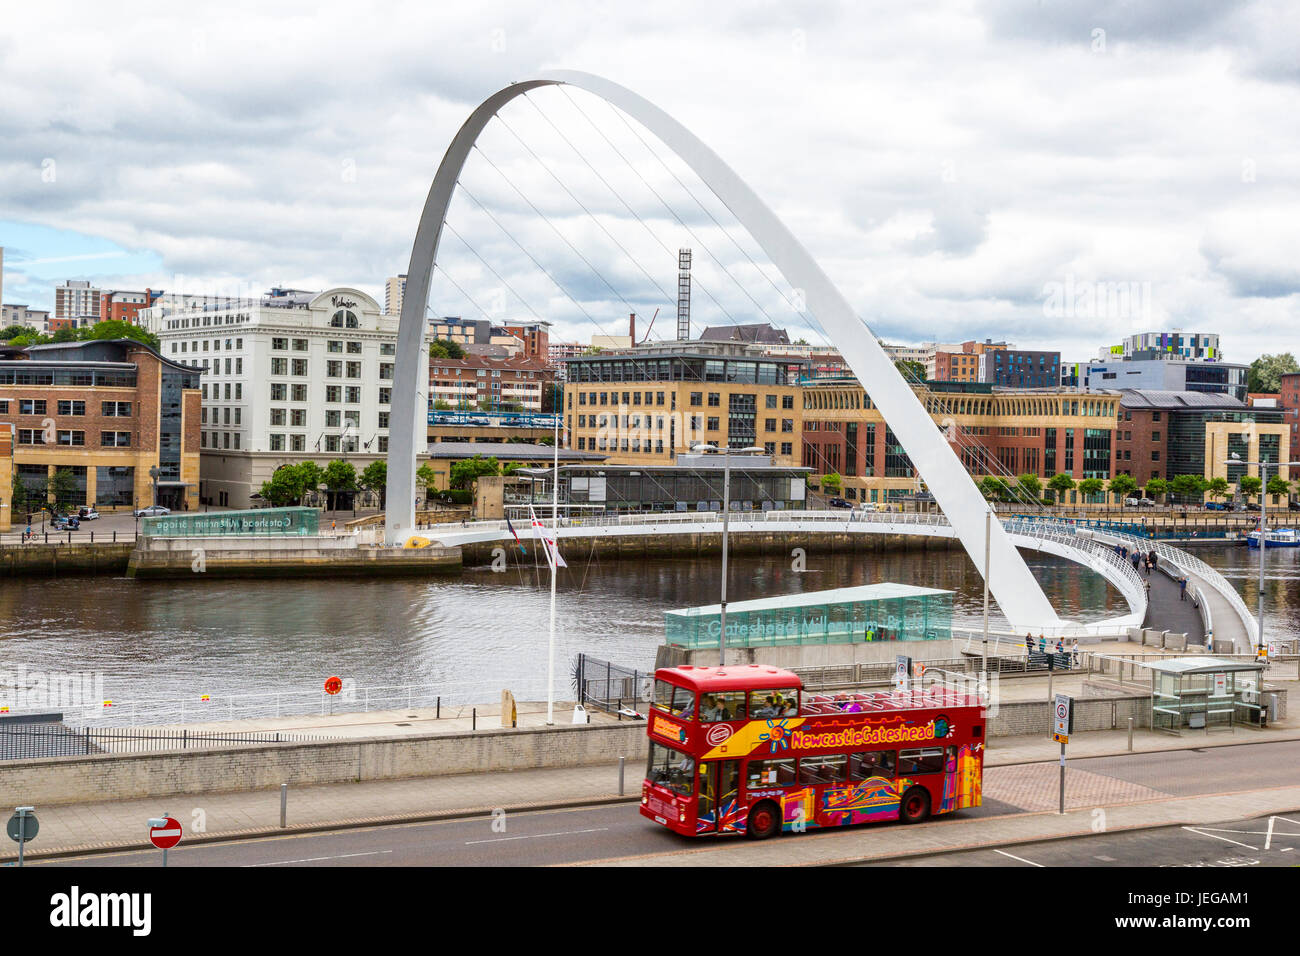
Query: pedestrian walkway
{"x": 118, "y": 824}
{"x": 1167, "y": 610}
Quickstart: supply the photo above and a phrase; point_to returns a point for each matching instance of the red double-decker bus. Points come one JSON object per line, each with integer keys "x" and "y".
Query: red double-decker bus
{"x": 744, "y": 750}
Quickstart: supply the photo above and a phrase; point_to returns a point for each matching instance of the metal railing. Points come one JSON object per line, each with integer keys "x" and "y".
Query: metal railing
{"x": 612, "y": 687}
{"x": 29, "y": 741}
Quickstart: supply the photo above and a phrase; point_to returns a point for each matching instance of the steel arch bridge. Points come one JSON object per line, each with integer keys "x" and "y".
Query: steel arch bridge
{"x": 1010, "y": 581}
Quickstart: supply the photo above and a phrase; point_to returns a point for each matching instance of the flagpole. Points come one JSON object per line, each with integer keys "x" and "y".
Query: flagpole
{"x": 555, "y": 534}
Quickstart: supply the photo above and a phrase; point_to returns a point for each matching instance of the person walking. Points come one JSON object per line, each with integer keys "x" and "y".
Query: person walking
{"x": 1182, "y": 588}
{"x": 1029, "y": 645}
{"x": 1042, "y": 644}
{"x": 1153, "y": 558}
{"x": 1074, "y": 653}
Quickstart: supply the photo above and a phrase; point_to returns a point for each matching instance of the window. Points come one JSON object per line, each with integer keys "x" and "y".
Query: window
{"x": 279, "y": 344}
{"x": 354, "y": 348}
{"x": 332, "y": 417}
{"x": 713, "y": 424}
{"x": 66, "y": 437}
{"x": 872, "y": 763}
{"x": 117, "y": 409}
{"x": 354, "y": 370}
{"x": 298, "y": 418}
{"x": 300, "y": 345}
{"x": 386, "y": 372}
{"x": 770, "y": 773}
{"x": 299, "y": 366}
{"x": 787, "y": 424}
{"x": 383, "y": 419}
{"x": 387, "y": 348}
{"x": 334, "y": 393}
{"x": 767, "y": 704}
{"x": 31, "y": 406}
{"x": 278, "y": 392}
{"x": 352, "y": 395}
{"x": 385, "y": 396}
{"x": 344, "y": 319}
{"x": 72, "y": 408}
{"x": 676, "y": 700}
{"x": 714, "y": 399}
{"x": 787, "y": 401}
{"x": 299, "y": 393}
{"x": 297, "y": 442}
{"x": 787, "y": 448}
{"x": 729, "y": 705}
{"x": 823, "y": 769}
{"x": 334, "y": 346}
{"x": 277, "y": 442}
{"x": 279, "y": 366}
{"x": 697, "y": 398}
{"x": 770, "y": 401}
{"x": 30, "y": 436}
{"x": 115, "y": 439}
{"x": 277, "y": 417}
{"x": 669, "y": 768}
{"x": 922, "y": 760}
{"x": 769, "y": 424}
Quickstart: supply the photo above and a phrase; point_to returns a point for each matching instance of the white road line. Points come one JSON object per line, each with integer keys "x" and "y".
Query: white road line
{"x": 1202, "y": 832}
{"x": 535, "y": 836}
{"x": 313, "y": 859}
{"x": 1030, "y": 862}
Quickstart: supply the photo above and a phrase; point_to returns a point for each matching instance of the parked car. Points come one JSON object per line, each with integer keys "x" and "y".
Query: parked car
{"x": 839, "y": 503}
{"x": 87, "y": 514}
{"x": 1139, "y": 503}
{"x": 1251, "y": 506}
{"x": 151, "y": 511}
{"x": 1293, "y": 505}
{"x": 66, "y": 523}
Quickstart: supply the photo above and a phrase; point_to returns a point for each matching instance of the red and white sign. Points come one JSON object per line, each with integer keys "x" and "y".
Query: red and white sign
{"x": 166, "y": 836}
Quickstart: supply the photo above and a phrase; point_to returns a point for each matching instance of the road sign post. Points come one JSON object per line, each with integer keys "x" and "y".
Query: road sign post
{"x": 164, "y": 833}
{"x": 23, "y": 826}
{"x": 1063, "y": 716}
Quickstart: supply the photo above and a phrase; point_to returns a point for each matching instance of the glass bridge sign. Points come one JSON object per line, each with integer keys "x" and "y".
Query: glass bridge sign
{"x": 873, "y": 612}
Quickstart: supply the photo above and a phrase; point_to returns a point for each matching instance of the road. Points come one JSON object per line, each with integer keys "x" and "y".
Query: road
{"x": 593, "y": 834}
{"x": 1262, "y": 841}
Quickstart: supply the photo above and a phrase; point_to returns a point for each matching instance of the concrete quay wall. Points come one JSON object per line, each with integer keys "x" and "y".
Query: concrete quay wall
{"x": 699, "y": 544}
{"x": 55, "y": 780}
{"x": 50, "y": 560}
{"x": 262, "y": 557}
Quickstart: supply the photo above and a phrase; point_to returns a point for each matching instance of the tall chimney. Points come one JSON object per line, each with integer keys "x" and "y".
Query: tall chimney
{"x": 631, "y": 327}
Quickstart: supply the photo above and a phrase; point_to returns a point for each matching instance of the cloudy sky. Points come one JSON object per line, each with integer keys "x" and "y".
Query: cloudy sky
{"x": 1058, "y": 174}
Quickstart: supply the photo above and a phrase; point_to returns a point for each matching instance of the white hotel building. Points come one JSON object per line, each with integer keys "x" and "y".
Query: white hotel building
{"x": 293, "y": 376}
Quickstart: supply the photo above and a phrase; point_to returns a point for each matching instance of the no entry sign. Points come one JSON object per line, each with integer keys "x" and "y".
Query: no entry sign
{"x": 167, "y": 835}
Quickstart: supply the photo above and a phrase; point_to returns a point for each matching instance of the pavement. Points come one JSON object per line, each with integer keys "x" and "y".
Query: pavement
{"x": 1021, "y": 773}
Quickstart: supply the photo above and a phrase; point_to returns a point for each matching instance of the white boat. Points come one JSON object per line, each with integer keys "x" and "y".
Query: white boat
{"x": 1278, "y": 538}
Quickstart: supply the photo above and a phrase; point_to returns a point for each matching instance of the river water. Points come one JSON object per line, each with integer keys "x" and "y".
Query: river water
{"x": 468, "y": 637}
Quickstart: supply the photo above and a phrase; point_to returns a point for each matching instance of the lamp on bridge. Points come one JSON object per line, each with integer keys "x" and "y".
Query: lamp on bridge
{"x": 726, "y": 512}
{"x": 1235, "y": 459}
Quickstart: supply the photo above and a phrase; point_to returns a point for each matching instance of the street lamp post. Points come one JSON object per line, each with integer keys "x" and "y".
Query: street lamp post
{"x": 1235, "y": 459}
{"x": 726, "y": 514}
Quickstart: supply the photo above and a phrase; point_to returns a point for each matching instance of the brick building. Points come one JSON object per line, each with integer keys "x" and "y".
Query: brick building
{"x": 484, "y": 381}
{"x": 108, "y": 411}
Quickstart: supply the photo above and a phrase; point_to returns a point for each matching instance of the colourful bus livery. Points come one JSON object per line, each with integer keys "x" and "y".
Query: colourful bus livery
{"x": 745, "y": 750}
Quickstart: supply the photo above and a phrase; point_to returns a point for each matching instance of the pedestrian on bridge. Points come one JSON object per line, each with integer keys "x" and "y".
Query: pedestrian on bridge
{"x": 1182, "y": 588}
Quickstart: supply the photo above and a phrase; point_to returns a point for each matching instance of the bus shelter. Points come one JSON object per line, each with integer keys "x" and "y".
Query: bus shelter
{"x": 1205, "y": 693}
{"x": 873, "y": 612}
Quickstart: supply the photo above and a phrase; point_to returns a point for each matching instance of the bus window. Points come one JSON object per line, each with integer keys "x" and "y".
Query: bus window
{"x": 872, "y": 763}
{"x": 825, "y": 769}
{"x": 772, "y": 704}
{"x": 671, "y": 768}
{"x": 678, "y": 701}
{"x": 728, "y": 705}
{"x": 769, "y": 773}
{"x": 922, "y": 760}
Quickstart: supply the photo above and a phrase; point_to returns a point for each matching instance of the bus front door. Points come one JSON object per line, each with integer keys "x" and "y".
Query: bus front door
{"x": 719, "y": 786}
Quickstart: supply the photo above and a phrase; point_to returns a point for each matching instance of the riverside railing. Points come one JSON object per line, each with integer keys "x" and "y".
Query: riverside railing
{"x": 28, "y": 741}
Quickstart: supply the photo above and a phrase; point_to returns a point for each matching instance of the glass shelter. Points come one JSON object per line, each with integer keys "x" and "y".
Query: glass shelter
{"x": 1205, "y": 693}
{"x": 873, "y": 612}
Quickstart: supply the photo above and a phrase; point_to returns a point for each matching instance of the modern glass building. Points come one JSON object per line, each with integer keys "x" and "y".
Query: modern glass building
{"x": 873, "y": 612}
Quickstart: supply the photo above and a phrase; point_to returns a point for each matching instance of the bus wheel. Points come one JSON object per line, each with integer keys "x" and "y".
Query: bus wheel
{"x": 915, "y": 806}
{"x": 764, "y": 820}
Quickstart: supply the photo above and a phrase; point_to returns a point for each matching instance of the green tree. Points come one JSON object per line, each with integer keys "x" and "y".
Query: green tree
{"x": 1188, "y": 486}
{"x": 1266, "y": 372}
{"x": 547, "y": 440}
{"x": 29, "y": 337}
{"x": 1030, "y": 484}
{"x": 446, "y": 348}
{"x": 1122, "y": 486}
{"x": 24, "y": 497}
{"x": 375, "y": 479}
{"x": 13, "y": 331}
{"x": 832, "y": 484}
{"x": 425, "y": 478}
{"x": 552, "y": 397}
{"x": 1277, "y": 485}
{"x": 117, "y": 329}
{"x": 465, "y": 471}
{"x": 1218, "y": 487}
{"x": 62, "y": 485}
{"x": 1091, "y": 487}
{"x": 1156, "y": 487}
{"x": 290, "y": 483}
{"x": 65, "y": 334}
{"x": 994, "y": 488}
{"x": 340, "y": 476}
{"x": 441, "y": 405}
{"x": 1060, "y": 483}
{"x": 1250, "y": 485}
{"x": 910, "y": 370}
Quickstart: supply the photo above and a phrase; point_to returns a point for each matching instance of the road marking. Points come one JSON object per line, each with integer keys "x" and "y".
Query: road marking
{"x": 1030, "y": 862}
{"x": 535, "y": 836}
{"x": 1202, "y": 832}
{"x": 313, "y": 859}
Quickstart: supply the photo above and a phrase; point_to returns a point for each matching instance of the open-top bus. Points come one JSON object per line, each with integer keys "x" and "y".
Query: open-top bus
{"x": 742, "y": 749}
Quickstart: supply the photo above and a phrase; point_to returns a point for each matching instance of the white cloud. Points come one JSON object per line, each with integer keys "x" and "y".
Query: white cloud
{"x": 943, "y": 161}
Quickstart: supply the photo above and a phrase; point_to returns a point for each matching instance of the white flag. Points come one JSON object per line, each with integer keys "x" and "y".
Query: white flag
{"x": 553, "y": 556}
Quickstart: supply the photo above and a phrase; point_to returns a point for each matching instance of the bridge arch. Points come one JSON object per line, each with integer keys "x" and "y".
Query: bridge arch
{"x": 1012, "y": 584}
